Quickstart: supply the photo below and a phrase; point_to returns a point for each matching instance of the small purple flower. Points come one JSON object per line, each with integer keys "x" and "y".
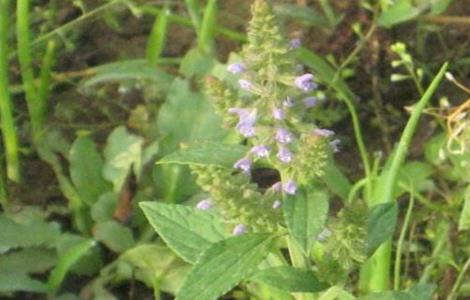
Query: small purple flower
{"x": 277, "y": 187}
{"x": 278, "y": 113}
{"x": 288, "y": 102}
{"x": 335, "y": 145}
{"x": 239, "y": 229}
{"x": 277, "y": 204}
{"x": 247, "y": 130}
{"x": 310, "y": 101}
{"x": 285, "y": 155}
{"x": 243, "y": 164}
{"x": 290, "y": 187}
{"x": 260, "y": 151}
{"x": 247, "y": 120}
{"x": 295, "y": 43}
{"x": 236, "y": 68}
{"x": 245, "y": 84}
{"x": 323, "y": 132}
{"x": 305, "y": 82}
{"x": 283, "y": 136}
{"x": 205, "y": 204}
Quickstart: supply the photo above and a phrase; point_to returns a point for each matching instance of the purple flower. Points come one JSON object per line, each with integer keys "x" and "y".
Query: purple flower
{"x": 277, "y": 187}
{"x": 239, "y": 229}
{"x": 205, "y": 204}
{"x": 288, "y": 102}
{"x": 277, "y": 204}
{"x": 285, "y": 155}
{"x": 247, "y": 120}
{"x": 260, "y": 151}
{"x": 334, "y": 144}
{"x": 290, "y": 187}
{"x": 245, "y": 84}
{"x": 323, "y": 132}
{"x": 310, "y": 101}
{"x": 236, "y": 68}
{"x": 295, "y": 43}
{"x": 305, "y": 82}
{"x": 243, "y": 164}
{"x": 278, "y": 113}
{"x": 283, "y": 136}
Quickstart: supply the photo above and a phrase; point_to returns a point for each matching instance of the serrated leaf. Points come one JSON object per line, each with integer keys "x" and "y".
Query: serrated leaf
{"x": 381, "y": 225}
{"x": 207, "y": 153}
{"x": 34, "y": 233}
{"x": 224, "y": 265}
{"x": 86, "y": 167}
{"x": 16, "y": 282}
{"x": 185, "y": 230}
{"x": 418, "y": 292}
{"x": 305, "y": 214}
{"x": 464, "y": 221}
{"x": 114, "y": 235}
{"x": 123, "y": 151}
{"x": 290, "y": 279}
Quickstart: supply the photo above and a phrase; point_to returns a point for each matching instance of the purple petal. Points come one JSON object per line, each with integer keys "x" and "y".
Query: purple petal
{"x": 236, "y": 68}
{"x": 260, "y": 151}
{"x": 310, "y": 101}
{"x": 239, "y": 229}
{"x": 278, "y": 113}
{"x": 285, "y": 155}
{"x": 290, "y": 187}
{"x": 243, "y": 164}
{"x": 305, "y": 82}
{"x": 323, "y": 132}
{"x": 295, "y": 43}
{"x": 283, "y": 136}
{"x": 277, "y": 187}
{"x": 205, "y": 204}
{"x": 245, "y": 84}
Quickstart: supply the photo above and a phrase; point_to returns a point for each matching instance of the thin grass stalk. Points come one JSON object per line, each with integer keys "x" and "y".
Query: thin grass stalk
{"x": 207, "y": 29}
{"x": 25, "y": 59}
{"x": 157, "y": 39}
{"x": 9, "y": 133}
{"x": 194, "y": 9}
{"x": 375, "y": 275}
{"x": 45, "y": 81}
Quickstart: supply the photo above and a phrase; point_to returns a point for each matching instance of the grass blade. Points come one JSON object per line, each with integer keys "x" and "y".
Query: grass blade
{"x": 45, "y": 80}
{"x": 157, "y": 38}
{"x": 207, "y": 30}
{"x": 10, "y": 139}
{"x": 194, "y": 12}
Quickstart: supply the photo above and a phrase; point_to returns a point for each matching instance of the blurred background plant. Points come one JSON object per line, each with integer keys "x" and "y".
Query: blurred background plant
{"x": 93, "y": 93}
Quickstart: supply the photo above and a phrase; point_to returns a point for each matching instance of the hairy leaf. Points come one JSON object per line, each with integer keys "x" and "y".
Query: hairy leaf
{"x": 381, "y": 224}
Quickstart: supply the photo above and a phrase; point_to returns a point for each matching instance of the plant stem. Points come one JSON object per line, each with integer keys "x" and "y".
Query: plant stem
{"x": 206, "y": 31}
{"x": 458, "y": 282}
{"x": 10, "y": 138}
{"x": 157, "y": 39}
{"x": 300, "y": 261}
{"x": 397, "y": 271}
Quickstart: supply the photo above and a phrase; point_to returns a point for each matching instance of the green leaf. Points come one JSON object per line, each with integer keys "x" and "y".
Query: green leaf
{"x": 34, "y": 233}
{"x": 464, "y": 221}
{"x": 224, "y": 265}
{"x": 86, "y": 166}
{"x": 207, "y": 153}
{"x": 103, "y": 209}
{"x": 336, "y": 181}
{"x": 381, "y": 224}
{"x": 185, "y": 230}
{"x": 138, "y": 69}
{"x": 16, "y": 282}
{"x": 400, "y": 12}
{"x": 414, "y": 174}
{"x": 434, "y": 147}
{"x": 27, "y": 261}
{"x": 290, "y": 279}
{"x": 123, "y": 151}
{"x": 153, "y": 262}
{"x": 114, "y": 235}
{"x": 418, "y": 292}
{"x": 305, "y": 214}
{"x": 303, "y": 14}
{"x": 440, "y": 6}
{"x": 196, "y": 63}
{"x": 66, "y": 261}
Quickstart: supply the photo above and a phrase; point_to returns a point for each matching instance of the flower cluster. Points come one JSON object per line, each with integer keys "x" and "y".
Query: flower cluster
{"x": 266, "y": 106}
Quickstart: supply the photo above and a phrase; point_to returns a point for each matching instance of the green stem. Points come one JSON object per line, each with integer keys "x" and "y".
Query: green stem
{"x": 10, "y": 138}
{"x": 45, "y": 81}
{"x": 157, "y": 38}
{"x": 455, "y": 288}
{"x": 194, "y": 13}
{"x": 298, "y": 260}
{"x": 206, "y": 31}
{"x": 397, "y": 271}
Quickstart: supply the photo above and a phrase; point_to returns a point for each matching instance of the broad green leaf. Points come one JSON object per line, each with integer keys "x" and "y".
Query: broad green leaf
{"x": 381, "y": 224}
{"x": 27, "y": 261}
{"x": 434, "y": 147}
{"x": 16, "y": 282}
{"x": 302, "y": 14}
{"x": 86, "y": 167}
{"x": 196, "y": 63}
{"x": 175, "y": 181}
{"x": 34, "y": 233}
{"x": 208, "y": 153}
{"x": 103, "y": 209}
{"x": 305, "y": 214}
{"x": 138, "y": 69}
{"x": 290, "y": 279}
{"x": 89, "y": 264}
{"x": 66, "y": 261}
{"x": 418, "y": 292}
{"x": 401, "y": 11}
{"x": 414, "y": 174}
{"x": 336, "y": 181}
{"x": 123, "y": 151}
{"x": 153, "y": 262}
{"x": 464, "y": 222}
{"x": 185, "y": 230}
{"x": 114, "y": 235}
{"x": 223, "y": 265}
